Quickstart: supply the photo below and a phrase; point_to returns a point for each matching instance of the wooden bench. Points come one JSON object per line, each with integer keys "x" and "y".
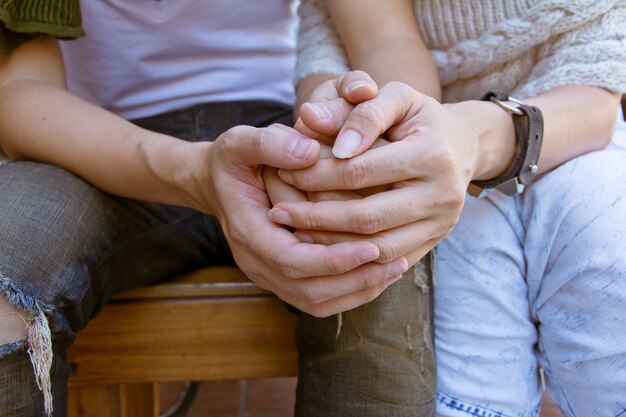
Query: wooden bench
{"x": 209, "y": 325}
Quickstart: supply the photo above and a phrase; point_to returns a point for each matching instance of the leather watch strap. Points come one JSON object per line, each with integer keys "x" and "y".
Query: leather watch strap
{"x": 528, "y": 124}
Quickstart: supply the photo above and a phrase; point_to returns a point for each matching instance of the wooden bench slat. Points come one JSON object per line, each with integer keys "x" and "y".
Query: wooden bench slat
{"x": 183, "y": 340}
{"x": 213, "y": 281}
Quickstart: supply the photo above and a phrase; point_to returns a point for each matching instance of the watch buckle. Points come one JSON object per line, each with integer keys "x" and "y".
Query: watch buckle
{"x": 511, "y": 187}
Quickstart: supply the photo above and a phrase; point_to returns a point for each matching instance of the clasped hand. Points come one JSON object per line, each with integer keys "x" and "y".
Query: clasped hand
{"x": 403, "y": 192}
{"x": 363, "y": 207}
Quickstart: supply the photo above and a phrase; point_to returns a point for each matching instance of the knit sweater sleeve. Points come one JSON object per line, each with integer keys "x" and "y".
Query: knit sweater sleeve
{"x": 23, "y": 20}
{"x": 320, "y": 50}
{"x": 593, "y": 54}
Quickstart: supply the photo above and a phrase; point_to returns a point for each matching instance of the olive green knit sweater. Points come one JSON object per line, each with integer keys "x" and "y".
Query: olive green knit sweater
{"x": 22, "y": 20}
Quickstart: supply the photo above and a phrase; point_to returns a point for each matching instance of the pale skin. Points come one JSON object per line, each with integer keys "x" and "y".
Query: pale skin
{"x": 435, "y": 149}
{"x": 41, "y": 121}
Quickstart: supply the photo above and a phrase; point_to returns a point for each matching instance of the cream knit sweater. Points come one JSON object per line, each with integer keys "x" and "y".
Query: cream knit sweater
{"x": 523, "y": 47}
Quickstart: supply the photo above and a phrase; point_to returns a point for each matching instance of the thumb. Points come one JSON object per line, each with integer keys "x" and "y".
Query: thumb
{"x": 329, "y": 105}
{"x": 372, "y": 118}
{"x": 277, "y": 145}
{"x": 356, "y": 87}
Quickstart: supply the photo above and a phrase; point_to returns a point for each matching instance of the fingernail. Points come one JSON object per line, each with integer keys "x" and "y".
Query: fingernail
{"x": 304, "y": 238}
{"x": 280, "y": 216}
{"x": 321, "y": 110}
{"x": 367, "y": 255}
{"x": 300, "y": 147}
{"x": 396, "y": 268}
{"x": 347, "y": 144}
{"x": 285, "y": 176}
{"x": 354, "y": 85}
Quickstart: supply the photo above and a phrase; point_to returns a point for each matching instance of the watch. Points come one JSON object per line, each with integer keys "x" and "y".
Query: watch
{"x": 528, "y": 124}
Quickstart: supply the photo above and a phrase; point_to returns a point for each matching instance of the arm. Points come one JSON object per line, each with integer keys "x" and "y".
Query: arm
{"x": 382, "y": 52}
{"x": 382, "y": 39}
{"x": 436, "y": 150}
{"x": 578, "y": 119}
{"x": 41, "y": 121}
{"x": 457, "y": 143}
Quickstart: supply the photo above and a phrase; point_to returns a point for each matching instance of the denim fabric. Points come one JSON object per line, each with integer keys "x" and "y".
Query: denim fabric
{"x": 374, "y": 361}
{"x": 66, "y": 248}
{"x": 538, "y": 280}
{"x": 18, "y": 389}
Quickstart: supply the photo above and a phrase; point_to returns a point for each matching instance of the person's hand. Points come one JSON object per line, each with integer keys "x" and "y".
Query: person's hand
{"x": 340, "y": 95}
{"x": 432, "y": 158}
{"x": 318, "y": 279}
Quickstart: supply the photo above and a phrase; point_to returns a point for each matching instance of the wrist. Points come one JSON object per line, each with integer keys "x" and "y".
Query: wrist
{"x": 497, "y": 143}
{"x": 179, "y": 167}
{"x": 193, "y": 176}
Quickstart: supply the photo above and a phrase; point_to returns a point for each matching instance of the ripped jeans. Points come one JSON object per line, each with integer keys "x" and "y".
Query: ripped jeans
{"x": 66, "y": 248}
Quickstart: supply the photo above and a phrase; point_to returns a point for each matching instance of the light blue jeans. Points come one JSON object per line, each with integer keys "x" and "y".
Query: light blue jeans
{"x": 537, "y": 281}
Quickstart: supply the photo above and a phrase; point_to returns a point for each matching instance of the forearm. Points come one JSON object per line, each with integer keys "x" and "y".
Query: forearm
{"x": 577, "y": 120}
{"x": 403, "y": 59}
{"x": 394, "y": 51}
{"x": 43, "y": 122}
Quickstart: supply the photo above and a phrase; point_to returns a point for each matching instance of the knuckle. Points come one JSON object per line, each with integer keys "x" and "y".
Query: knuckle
{"x": 259, "y": 139}
{"x": 368, "y": 281}
{"x": 320, "y": 311}
{"x": 334, "y": 266}
{"x": 340, "y": 108}
{"x": 366, "y": 220}
{"x": 452, "y": 196}
{"x": 388, "y": 250}
{"x": 370, "y": 295}
{"x": 231, "y": 139}
{"x": 443, "y": 226}
{"x": 369, "y": 113}
{"x": 312, "y": 294}
{"x": 357, "y": 174}
{"x": 443, "y": 159}
{"x": 397, "y": 85}
{"x": 311, "y": 221}
{"x": 317, "y": 196}
{"x": 302, "y": 180}
{"x": 237, "y": 130}
{"x": 351, "y": 76}
{"x": 286, "y": 268}
{"x": 400, "y": 88}
{"x": 237, "y": 235}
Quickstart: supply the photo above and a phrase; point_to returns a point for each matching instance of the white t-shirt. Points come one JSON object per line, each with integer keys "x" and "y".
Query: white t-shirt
{"x": 145, "y": 57}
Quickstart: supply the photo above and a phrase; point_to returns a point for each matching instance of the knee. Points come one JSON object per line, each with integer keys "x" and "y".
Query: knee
{"x": 593, "y": 178}
{"x": 13, "y": 323}
{"x": 585, "y": 195}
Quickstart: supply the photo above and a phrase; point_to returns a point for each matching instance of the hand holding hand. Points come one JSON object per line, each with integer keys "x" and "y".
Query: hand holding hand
{"x": 430, "y": 161}
{"x": 318, "y": 279}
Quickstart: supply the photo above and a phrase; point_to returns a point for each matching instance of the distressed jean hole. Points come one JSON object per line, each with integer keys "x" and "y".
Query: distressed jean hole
{"x": 37, "y": 338}
{"x": 13, "y": 323}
